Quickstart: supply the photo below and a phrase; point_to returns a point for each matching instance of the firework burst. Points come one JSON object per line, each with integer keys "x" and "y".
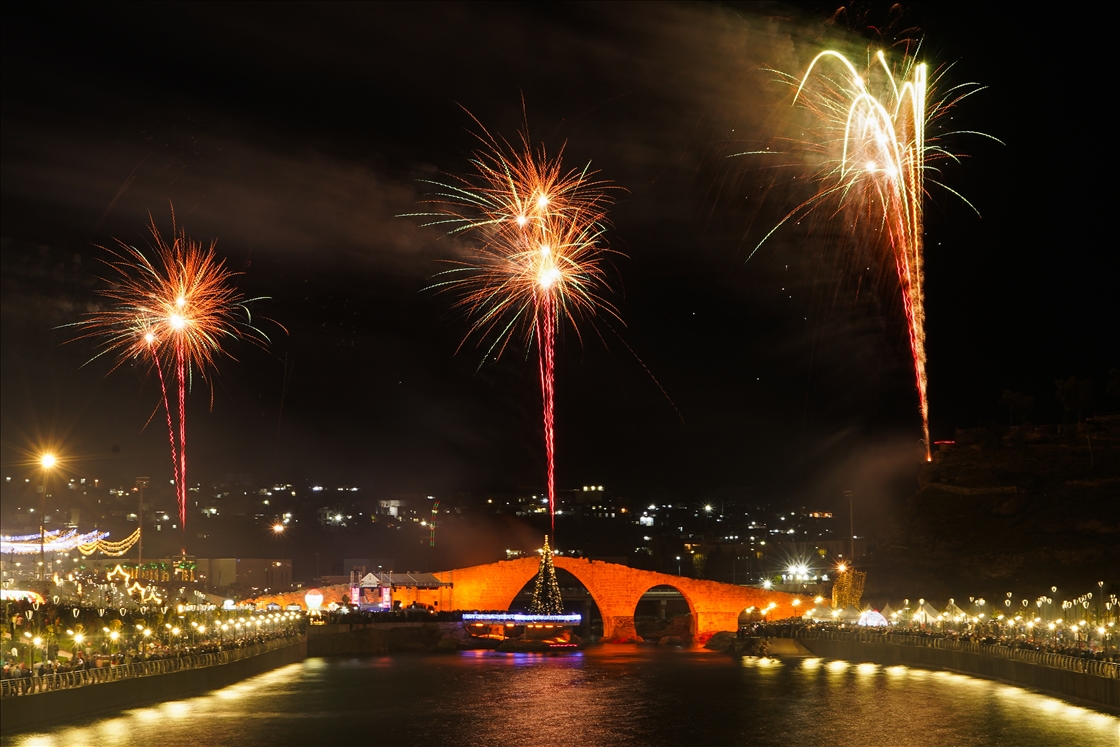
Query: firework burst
{"x": 173, "y": 313}
{"x": 535, "y": 255}
{"x": 873, "y": 159}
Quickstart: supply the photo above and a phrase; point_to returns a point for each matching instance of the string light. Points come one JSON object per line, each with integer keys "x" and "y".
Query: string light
{"x": 55, "y": 541}
{"x": 112, "y": 549}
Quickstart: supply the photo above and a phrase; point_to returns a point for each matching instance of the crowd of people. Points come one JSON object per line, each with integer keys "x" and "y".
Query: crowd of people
{"x": 23, "y": 672}
{"x": 1045, "y": 643}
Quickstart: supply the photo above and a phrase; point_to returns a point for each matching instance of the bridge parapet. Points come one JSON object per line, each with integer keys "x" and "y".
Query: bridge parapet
{"x": 616, "y": 589}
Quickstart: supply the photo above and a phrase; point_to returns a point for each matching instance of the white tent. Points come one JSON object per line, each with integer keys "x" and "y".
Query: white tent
{"x": 886, "y": 611}
{"x": 820, "y": 612}
{"x": 849, "y": 614}
{"x": 924, "y": 613}
{"x": 953, "y": 612}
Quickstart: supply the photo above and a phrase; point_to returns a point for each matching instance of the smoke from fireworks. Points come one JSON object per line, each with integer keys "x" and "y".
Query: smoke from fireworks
{"x": 535, "y": 258}
{"x": 873, "y": 159}
{"x": 173, "y": 313}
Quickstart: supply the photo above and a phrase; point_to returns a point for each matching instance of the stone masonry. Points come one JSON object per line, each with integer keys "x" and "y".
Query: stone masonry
{"x": 616, "y": 589}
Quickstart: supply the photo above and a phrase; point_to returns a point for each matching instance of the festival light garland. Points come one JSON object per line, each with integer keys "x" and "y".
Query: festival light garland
{"x": 54, "y": 541}
{"x": 59, "y": 540}
{"x": 112, "y": 549}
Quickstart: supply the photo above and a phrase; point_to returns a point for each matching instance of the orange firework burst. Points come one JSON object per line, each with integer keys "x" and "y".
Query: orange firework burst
{"x": 536, "y": 253}
{"x": 175, "y": 313}
{"x": 182, "y": 305}
{"x": 537, "y": 233}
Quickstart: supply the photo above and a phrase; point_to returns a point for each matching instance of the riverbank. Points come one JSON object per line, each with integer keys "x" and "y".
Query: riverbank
{"x": 606, "y": 696}
{"x": 39, "y": 710}
{"x": 342, "y": 639}
{"x": 1100, "y": 693}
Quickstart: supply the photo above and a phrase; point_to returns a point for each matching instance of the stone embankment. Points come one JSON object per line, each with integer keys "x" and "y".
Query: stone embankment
{"x": 365, "y": 640}
{"x": 729, "y": 643}
{"x": 1102, "y": 693}
{"x": 1089, "y": 686}
{"x": 25, "y": 712}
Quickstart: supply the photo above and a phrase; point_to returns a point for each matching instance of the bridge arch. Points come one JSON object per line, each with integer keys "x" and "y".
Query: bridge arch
{"x": 684, "y": 595}
{"x": 616, "y": 590}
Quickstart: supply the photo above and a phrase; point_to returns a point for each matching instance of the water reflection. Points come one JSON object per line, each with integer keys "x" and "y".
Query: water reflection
{"x": 607, "y": 696}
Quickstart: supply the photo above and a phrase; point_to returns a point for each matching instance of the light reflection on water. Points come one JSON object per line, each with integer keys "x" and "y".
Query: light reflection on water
{"x": 607, "y": 696}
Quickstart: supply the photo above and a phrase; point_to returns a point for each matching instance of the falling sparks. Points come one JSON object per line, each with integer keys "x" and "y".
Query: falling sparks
{"x": 535, "y": 256}
{"x": 873, "y": 160}
{"x": 175, "y": 314}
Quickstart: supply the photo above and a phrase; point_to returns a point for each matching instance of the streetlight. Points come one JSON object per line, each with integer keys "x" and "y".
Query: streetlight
{"x": 678, "y": 565}
{"x": 278, "y": 528}
{"x": 47, "y": 462}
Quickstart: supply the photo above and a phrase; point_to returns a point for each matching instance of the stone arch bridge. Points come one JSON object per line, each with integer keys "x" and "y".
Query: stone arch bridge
{"x": 616, "y": 590}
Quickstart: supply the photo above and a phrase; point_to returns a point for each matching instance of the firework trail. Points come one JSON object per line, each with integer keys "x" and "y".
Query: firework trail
{"x": 536, "y": 255}
{"x": 873, "y": 159}
{"x": 173, "y": 313}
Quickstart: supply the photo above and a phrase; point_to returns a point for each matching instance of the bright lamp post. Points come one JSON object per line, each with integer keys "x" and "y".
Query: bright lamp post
{"x": 46, "y": 461}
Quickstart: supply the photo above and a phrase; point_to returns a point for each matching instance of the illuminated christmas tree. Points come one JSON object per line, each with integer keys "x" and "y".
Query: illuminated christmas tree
{"x": 848, "y": 588}
{"x": 546, "y": 591}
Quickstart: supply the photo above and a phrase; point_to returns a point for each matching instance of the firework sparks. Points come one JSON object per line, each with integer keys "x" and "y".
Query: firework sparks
{"x": 874, "y": 157}
{"x": 172, "y": 313}
{"x": 536, "y": 256}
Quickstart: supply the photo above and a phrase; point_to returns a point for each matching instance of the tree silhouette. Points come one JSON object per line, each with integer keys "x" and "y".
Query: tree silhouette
{"x": 1017, "y": 402}
{"x": 1075, "y": 394}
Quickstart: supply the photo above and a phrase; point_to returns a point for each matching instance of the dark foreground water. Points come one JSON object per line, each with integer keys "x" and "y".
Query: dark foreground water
{"x": 614, "y": 695}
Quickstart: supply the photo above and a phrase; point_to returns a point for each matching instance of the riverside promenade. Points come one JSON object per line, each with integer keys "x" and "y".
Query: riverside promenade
{"x": 1093, "y": 683}
{"x": 29, "y": 702}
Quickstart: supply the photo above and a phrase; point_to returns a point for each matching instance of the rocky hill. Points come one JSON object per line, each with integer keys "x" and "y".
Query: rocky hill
{"x": 1005, "y": 509}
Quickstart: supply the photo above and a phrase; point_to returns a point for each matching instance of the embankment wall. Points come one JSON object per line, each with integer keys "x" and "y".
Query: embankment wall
{"x": 1101, "y": 693}
{"x": 41, "y": 710}
{"x": 364, "y": 640}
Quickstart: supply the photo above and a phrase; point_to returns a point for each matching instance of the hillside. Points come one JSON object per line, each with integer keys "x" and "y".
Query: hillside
{"x": 1010, "y": 510}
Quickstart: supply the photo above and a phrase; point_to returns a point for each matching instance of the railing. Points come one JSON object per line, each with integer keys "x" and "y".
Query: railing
{"x": 79, "y": 678}
{"x": 1107, "y": 669}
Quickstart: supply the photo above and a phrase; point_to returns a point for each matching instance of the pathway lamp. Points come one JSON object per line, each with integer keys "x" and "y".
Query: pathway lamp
{"x": 47, "y": 462}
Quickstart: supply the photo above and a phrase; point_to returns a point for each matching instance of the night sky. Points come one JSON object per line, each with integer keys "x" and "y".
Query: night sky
{"x": 296, "y": 134}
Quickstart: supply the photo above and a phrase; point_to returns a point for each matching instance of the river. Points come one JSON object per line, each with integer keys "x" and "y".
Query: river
{"x": 611, "y": 695}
